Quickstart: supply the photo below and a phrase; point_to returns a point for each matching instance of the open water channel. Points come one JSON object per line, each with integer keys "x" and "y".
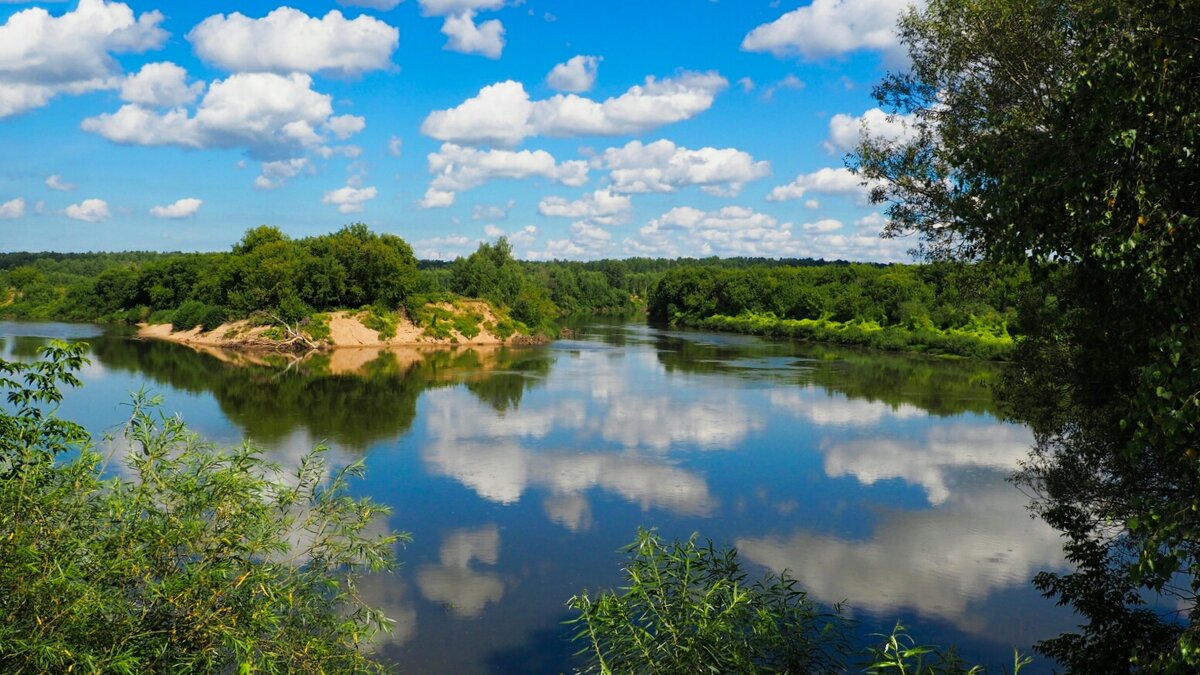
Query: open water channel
{"x": 878, "y": 480}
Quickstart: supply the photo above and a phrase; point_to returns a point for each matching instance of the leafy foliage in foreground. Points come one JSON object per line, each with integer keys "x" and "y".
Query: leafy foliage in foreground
{"x": 690, "y": 609}
{"x": 899, "y": 654}
{"x": 200, "y": 559}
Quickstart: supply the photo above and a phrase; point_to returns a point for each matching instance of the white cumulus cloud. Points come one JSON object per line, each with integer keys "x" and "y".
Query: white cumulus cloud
{"x": 576, "y": 75}
{"x": 89, "y": 211}
{"x": 160, "y": 85}
{"x": 742, "y": 231}
{"x": 827, "y": 181}
{"x": 831, "y": 27}
{"x": 456, "y": 168}
{"x": 349, "y": 199}
{"x": 498, "y": 115}
{"x": 823, "y": 225}
{"x": 642, "y": 108}
{"x": 502, "y": 114}
{"x": 42, "y": 56}
{"x": 13, "y": 208}
{"x": 276, "y": 174}
{"x": 603, "y": 207}
{"x": 466, "y": 36}
{"x": 345, "y": 126}
{"x": 288, "y": 40}
{"x": 732, "y": 230}
{"x": 56, "y": 182}
{"x": 846, "y": 131}
{"x": 662, "y": 166}
{"x": 270, "y": 116}
{"x": 181, "y": 208}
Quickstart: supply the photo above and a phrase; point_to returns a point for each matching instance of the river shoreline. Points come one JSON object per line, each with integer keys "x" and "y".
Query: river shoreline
{"x": 345, "y": 330}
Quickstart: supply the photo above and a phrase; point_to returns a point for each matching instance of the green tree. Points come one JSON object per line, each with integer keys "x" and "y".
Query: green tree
{"x": 367, "y": 268}
{"x": 492, "y": 273}
{"x": 1065, "y": 133}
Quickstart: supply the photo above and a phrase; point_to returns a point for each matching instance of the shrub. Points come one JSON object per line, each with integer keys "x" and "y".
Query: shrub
{"x": 292, "y": 309}
{"x": 467, "y": 324}
{"x": 899, "y": 653}
{"x": 379, "y": 320}
{"x": 689, "y": 609}
{"x": 202, "y": 559}
{"x": 318, "y": 327}
{"x": 194, "y": 313}
{"x": 162, "y": 316}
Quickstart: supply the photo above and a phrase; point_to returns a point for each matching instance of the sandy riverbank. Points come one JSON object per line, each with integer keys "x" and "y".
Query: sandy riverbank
{"x": 346, "y": 329}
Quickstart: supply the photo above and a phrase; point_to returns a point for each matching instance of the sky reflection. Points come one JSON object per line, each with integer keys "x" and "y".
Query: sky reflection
{"x": 875, "y": 479}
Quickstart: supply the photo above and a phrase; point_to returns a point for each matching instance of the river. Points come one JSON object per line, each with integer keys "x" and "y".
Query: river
{"x": 878, "y": 480}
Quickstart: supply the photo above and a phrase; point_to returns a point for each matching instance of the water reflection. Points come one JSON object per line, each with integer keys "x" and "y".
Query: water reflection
{"x": 876, "y": 479}
{"x": 351, "y": 397}
{"x": 941, "y": 563}
{"x": 936, "y": 463}
{"x": 389, "y": 593}
{"x": 662, "y": 423}
{"x": 937, "y": 387}
{"x": 822, "y": 407}
{"x": 454, "y": 582}
{"x": 483, "y": 452}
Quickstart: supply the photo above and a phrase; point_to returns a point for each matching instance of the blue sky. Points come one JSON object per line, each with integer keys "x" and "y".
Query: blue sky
{"x": 578, "y": 129}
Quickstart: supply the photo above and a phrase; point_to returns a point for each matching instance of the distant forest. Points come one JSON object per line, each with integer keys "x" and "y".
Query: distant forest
{"x": 947, "y": 308}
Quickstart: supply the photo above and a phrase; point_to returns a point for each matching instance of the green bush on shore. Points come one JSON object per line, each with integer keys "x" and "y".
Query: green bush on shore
{"x": 193, "y": 559}
{"x": 980, "y": 342}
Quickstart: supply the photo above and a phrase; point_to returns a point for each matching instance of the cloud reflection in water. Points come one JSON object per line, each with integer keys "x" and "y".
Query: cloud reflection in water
{"x": 488, "y": 451}
{"x": 454, "y": 582}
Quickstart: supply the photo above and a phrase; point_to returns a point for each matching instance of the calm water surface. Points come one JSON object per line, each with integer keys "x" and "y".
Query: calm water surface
{"x": 878, "y": 480}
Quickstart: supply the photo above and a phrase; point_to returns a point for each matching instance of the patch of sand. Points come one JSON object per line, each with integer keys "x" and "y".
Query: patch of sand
{"x": 346, "y": 330}
{"x": 232, "y": 334}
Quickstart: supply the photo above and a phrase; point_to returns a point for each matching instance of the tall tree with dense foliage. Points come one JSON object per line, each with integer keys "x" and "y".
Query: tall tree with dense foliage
{"x": 491, "y": 272}
{"x": 1066, "y": 133}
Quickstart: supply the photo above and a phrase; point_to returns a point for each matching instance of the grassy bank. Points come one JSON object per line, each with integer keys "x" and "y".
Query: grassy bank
{"x": 978, "y": 339}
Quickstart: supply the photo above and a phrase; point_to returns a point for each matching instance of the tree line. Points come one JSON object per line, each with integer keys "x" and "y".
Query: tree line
{"x": 949, "y": 308}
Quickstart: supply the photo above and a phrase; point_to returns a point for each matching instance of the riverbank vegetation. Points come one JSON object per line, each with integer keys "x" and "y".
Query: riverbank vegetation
{"x": 294, "y": 285}
{"x": 946, "y": 309}
{"x": 691, "y": 608}
{"x": 272, "y": 280}
{"x": 185, "y": 558}
{"x": 1064, "y": 135}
